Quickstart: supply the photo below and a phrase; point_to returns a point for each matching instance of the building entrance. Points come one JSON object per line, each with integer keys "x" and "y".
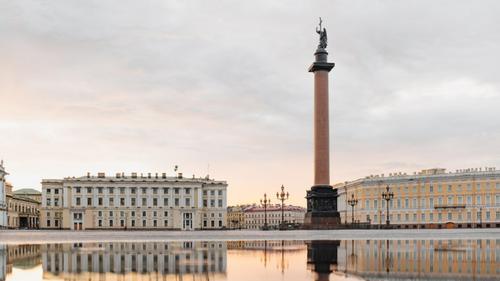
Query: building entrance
{"x": 187, "y": 221}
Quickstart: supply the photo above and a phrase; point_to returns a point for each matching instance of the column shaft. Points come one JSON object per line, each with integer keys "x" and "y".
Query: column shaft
{"x": 321, "y": 129}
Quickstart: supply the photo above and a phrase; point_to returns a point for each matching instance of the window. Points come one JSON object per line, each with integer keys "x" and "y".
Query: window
{"x": 440, "y": 217}
{"x": 399, "y": 203}
{"x": 133, "y": 190}
{"x": 431, "y": 217}
{"x": 155, "y": 213}
{"x": 155, "y": 190}
{"x": 99, "y": 213}
{"x": 132, "y": 201}
{"x": 212, "y": 192}
{"x": 111, "y": 190}
{"x": 132, "y": 214}
{"x": 48, "y": 202}
{"x": 188, "y": 202}
{"x": 375, "y": 204}
{"x": 188, "y": 190}
{"x": 212, "y": 203}
{"x": 89, "y": 190}
{"x": 48, "y": 223}
{"x": 407, "y": 203}
{"x": 440, "y": 188}
{"x": 422, "y": 217}
{"x": 449, "y": 216}
{"x": 78, "y": 189}
{"x": 165, "y": 214}
{"x": 219, "y": 192}
{"x": 422, "y": 203}
{"x": 144, "y": 202}
{"x": 165, "y": 202}
{"x": 367, "y": 204}
{"x": 99, "y": 223}
{"x": 488, "y": 214}
{"x": 469, "y": 200}
{"x": 133, "y": 223}
{"x": 99, "y": 201}
{"x": 165, "y": 223}
{"x": 122, "y": 190}
{"x": 78, "y": 201}
{"x": 414, "y": 203}
{"x": 155, "y": 223}
{"x": 56, "y": 191}
{"x": 165, "y": 190}
{"x": 110, "y": 213}
{"x": 111, "y": 223}
{"x": 431, "y": 189}
{"x": 48, "y": 190}
{"x": 111, "y": 201}
{"x": 176, "y": 202}
{"x": 407, "y": 217}
{"x": 143, "y": 223}
{"x": 122, "y": 223}
{"x": 220, "y": 203}
{"x": 205, "y": 204}
{"x": 204, "y": 192}
{"x": 176, "y": 190}
{"x": 449, "y": 188}
{"x": 478, "y": 199}
{"x": 155, "y": 201}
{"x": 220, "y": 223}
{"x": 89, "y": 202}
{"x": 99, "y": 190}
{"x": 144, "y": 191}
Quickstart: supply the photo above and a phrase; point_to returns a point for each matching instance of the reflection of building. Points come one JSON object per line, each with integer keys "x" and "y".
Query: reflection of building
{"x": 3, "y": 262}
{"x": 139, "y": 261}
{"x": 255, "y": 216}
{"x": 149, "y": 201}
{"x": 423, "y": 259}
{"x": 287, "y": 245}
{"x": 429, "y": 199}
{"x": 23, "y": 212}
{"x": 22, "y": 256}
{"x": 3, "y": 199}
{"x": 235, "y": 217}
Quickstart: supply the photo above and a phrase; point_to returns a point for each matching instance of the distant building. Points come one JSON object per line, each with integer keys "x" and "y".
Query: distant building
{"x": 28, "y": 193}
{"x": 236, "y": 216}
{"x": 3, "y": 198}
{"x": 23, "y": 212}
{"x": 432, "y": 198}
{"x": 255, "y": 216}
{"x": 150, "y": 201}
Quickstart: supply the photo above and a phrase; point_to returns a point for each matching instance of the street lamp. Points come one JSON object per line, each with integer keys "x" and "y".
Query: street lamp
{"x": 264, "y": 202}
{"x": 282, "y": 196}
{"x": 387, "y": 196}
{"x": 353, "y": 202}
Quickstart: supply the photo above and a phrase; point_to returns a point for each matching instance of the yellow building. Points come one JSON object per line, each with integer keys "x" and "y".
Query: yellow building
{"x": 235, "y": 217}
{"x": 22, "y": 212}
{"x": 432, "y": 198}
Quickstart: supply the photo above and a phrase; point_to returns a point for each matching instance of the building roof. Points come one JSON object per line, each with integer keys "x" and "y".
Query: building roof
{"x": 272, "y": 208}
{"x": 427, "y": 175}
{"x": 27, "y": 191}
{"x": 137, "y": 177}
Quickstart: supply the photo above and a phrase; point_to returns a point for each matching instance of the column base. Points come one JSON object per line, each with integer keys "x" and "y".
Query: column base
{"x": 322, "y": 208}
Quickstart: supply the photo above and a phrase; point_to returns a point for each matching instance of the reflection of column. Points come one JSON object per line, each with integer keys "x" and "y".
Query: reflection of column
{"x": 322, "y": 258}
{"x": 3, "y": 262}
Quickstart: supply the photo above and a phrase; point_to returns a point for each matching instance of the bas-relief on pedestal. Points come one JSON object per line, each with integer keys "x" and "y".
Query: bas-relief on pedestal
{"x": 322, "y": 198}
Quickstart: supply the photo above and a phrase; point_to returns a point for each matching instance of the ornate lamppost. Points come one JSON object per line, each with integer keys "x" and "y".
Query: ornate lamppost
{"x": 387, "y": 196}
{"x": 282, "y": 196}
{"x": 353, "y": 202}
{"x": 264, "y": 202}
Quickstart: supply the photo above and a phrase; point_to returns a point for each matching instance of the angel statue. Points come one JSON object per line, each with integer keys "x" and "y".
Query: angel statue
{"x": 323, "y": 41}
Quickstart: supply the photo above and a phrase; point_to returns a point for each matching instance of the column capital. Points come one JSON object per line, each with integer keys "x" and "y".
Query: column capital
{"x": 326, "y": 66}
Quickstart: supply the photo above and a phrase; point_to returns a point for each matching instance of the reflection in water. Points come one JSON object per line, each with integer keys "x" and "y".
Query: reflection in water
{"x": 258, "y": 260}
{"x": 322, "y": 258}
{"x": 101, "y": 261}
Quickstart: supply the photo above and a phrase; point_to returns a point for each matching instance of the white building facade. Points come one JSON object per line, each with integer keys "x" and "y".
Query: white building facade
{"x": 133, "y": 202}
{"x": 3, "y": 198}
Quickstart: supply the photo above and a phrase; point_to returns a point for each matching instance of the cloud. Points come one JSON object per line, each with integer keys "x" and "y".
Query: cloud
{"x": 142, "y": 86}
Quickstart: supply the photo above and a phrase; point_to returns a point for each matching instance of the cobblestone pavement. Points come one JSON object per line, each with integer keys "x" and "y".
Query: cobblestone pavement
{"x": 55, "y": 236}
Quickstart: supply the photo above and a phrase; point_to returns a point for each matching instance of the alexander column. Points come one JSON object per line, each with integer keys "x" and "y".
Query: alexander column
{"x": 322, "y": 198}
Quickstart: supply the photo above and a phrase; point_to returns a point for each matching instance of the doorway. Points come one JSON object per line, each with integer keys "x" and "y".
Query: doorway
{"x": 187, "y": 221}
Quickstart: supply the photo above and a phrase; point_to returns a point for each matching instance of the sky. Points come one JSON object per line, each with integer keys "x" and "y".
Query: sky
{"x": 222, "y": 88}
